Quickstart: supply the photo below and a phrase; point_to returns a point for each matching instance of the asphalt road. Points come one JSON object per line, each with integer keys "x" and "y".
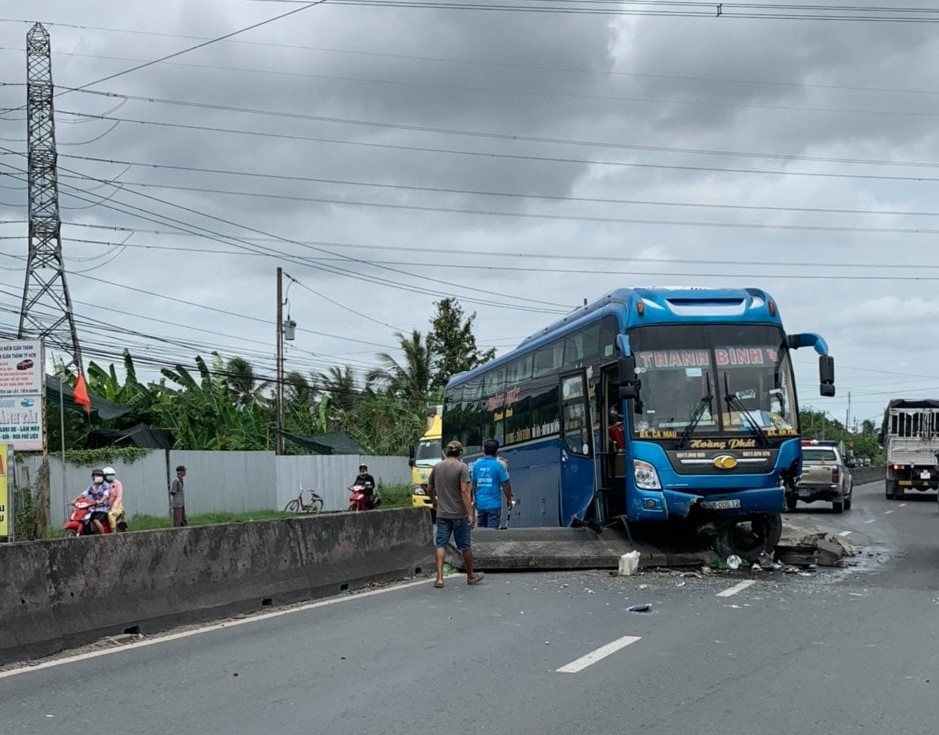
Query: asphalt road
{"x": 842, "y": 651}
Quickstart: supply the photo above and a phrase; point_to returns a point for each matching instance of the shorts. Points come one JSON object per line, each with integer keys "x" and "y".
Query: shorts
{"x": 458, "y": 527}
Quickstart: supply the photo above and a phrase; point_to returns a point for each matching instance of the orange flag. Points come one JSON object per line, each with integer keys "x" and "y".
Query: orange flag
{"x": 80, "y": 394}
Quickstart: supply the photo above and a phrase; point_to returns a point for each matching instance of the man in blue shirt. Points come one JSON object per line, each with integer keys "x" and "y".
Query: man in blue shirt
{"x": 490, "y": 480}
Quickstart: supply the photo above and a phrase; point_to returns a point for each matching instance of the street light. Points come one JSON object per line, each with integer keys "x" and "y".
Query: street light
{"x": 286, "y": 330}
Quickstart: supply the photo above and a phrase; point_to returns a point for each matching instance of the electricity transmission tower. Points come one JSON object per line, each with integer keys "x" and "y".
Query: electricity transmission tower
{"x": 46, "y": 311}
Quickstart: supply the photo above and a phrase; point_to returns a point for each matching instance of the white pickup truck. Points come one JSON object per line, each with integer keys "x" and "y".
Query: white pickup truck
{"x": 825, "y": 477}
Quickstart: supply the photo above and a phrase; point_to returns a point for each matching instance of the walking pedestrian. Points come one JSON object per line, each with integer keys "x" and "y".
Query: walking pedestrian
{"x": 178, "y": 497}
{"x": 449, "y": 489}
{"x": 490, "y": 480}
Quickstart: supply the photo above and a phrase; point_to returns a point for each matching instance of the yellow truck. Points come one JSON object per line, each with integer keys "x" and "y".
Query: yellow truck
{"x": 424, "y": 455}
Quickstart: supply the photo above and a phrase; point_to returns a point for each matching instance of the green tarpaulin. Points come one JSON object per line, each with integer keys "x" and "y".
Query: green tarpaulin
{"x": 59, "y": 392}
{"x": 337, "y": 442}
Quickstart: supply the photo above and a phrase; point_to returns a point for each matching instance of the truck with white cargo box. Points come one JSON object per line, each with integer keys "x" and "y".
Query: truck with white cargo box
{"x": 910, "y": 438}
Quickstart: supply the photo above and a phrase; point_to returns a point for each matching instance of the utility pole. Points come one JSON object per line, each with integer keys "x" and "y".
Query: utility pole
{"x": 279, "y": 388}
{"x": 847, "y": 414}
{"x": 286, "y": 330}
{"x": 46, "y": 310}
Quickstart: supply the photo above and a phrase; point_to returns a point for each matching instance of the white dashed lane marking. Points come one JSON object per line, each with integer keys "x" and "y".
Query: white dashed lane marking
{"x": 888, "y": 512}
{"x": 739, "y": 587}
{"x": 597, "y": 655}
{"x": 871, "y": 520}
{"x": 845, "y": 533}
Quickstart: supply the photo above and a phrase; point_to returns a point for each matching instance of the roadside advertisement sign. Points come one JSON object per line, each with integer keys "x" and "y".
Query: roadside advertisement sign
{"x": 21, "y": 392}
{"x": 6, "y": 507}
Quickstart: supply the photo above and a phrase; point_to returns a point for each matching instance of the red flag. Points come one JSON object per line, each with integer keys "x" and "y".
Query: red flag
{"x": 80, "y": 394}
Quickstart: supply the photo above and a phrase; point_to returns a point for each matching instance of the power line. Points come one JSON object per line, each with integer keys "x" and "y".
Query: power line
{"x": 491, "y": 193}
{"x": 538, "y": 215}
{"x": 665, "y": 9}
{"x": 489, "y": 268}
{"x": 539, "y": 93}
{"x": 557, "y": 159}
{"x": 492, "y": 254}
{"x": 247, "y": 245}
{"x": 491, "y": 135}
{"x": 472, "y": 62}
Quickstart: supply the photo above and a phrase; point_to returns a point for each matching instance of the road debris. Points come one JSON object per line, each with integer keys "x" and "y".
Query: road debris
{"x": 628, "y": 564}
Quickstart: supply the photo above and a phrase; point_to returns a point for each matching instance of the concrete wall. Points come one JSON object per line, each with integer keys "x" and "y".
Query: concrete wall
{"x": 219, "y": 481}
{"x": 150, "y": 580}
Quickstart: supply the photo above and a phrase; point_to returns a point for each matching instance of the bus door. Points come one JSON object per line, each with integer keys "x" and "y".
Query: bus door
{"x": 577, "y": 463}
{"x": 611, "y": 449}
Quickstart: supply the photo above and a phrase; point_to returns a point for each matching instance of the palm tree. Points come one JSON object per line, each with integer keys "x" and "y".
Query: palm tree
{"x": 410, "y": 380}
{"x": 340, "y": 384}
{"x": 243, "y": 384}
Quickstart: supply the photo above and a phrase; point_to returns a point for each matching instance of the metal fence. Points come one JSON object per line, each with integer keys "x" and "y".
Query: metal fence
{"x": 217, "y": 481}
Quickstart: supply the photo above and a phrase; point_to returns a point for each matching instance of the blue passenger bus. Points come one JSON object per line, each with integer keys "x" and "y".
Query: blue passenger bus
{"x": 650, "y": 404}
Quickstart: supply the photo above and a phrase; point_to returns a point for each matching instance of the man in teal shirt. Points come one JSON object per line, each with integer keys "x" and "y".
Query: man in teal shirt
{"x": 490, "y": 480}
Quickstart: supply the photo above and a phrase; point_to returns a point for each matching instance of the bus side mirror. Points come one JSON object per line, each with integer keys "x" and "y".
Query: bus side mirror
{"x": 826, "y": 375}
{"x": 411, "y": 455}
{"x": 628, "y": 383}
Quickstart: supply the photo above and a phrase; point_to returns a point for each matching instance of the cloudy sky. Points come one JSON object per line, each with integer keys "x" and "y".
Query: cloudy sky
{"x": 389, "y": 156}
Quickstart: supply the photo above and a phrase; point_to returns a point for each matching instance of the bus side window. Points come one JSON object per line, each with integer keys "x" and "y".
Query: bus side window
{"x": 453, "y": 410}
{"x": 548, "y": 360}
{"x": 607, "y": 337}
{"x": 580, "y": 348}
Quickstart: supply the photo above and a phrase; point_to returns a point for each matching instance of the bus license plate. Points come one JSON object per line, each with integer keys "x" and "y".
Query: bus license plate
{"x": 721, "y": 504}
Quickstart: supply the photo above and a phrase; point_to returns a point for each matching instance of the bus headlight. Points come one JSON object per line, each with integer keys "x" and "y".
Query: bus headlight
{"x": 646, "y": 476}
{"x": 417, "y": 490}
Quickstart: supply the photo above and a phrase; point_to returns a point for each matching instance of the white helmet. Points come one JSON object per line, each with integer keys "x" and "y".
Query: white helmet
{"x": 109, "y": 471}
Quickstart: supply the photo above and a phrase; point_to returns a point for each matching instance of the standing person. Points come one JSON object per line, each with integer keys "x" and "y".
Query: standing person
{"x": 449, "y": 490}
{"x": 490, "y": 480}
{"x": 178, "y": 497}
{"x": 116, "y": 513}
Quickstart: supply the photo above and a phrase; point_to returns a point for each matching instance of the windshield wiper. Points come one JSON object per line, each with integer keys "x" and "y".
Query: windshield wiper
{"x": 735, "y": 403}
{"x": 704, "y": 403}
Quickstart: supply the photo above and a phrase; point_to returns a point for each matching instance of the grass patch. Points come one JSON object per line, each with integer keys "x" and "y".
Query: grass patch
{"x": 395, "y": 496}
{"x": 392, "y": 496}
{"x": 149, "y": 523}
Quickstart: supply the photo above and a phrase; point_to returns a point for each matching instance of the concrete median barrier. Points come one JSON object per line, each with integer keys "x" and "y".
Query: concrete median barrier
{"x": 65, "y": 592}
{"x": 867, "y": 475}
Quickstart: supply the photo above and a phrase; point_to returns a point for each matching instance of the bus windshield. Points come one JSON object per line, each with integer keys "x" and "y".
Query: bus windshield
{"x": 428, "y": 452}
{"x": 730, "y": 378}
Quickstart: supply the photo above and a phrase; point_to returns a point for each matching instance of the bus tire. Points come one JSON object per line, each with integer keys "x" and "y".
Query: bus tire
{"x": 749, "y": 537}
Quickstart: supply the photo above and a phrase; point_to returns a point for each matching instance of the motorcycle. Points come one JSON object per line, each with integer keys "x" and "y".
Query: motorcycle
{"x": 363, "y": 497}
{"x": 80, "y": 524}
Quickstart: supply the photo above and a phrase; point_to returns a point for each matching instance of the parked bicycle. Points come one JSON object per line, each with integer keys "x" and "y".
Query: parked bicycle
{"x": 299, "y": 505}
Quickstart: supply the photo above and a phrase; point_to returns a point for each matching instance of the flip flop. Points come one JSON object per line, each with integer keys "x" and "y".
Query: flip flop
{"x": 438, "y": 585}
{"x": 476, "y": 579}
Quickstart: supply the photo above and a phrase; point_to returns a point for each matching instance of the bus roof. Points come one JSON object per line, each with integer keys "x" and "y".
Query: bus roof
{"x": 655, "y": 305}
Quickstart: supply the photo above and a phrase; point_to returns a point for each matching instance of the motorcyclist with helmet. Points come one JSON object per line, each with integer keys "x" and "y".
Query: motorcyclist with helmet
{"x": 368, "y": 485}
{"x": 116, "y": 512}
{"x": 98, "y": 493}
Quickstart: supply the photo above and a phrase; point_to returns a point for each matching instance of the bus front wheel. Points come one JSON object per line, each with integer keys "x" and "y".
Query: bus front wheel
{"x": 748, "y": 538}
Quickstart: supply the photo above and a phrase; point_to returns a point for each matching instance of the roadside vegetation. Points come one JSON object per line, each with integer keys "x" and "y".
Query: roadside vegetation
{"x": 221, "y": 403}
